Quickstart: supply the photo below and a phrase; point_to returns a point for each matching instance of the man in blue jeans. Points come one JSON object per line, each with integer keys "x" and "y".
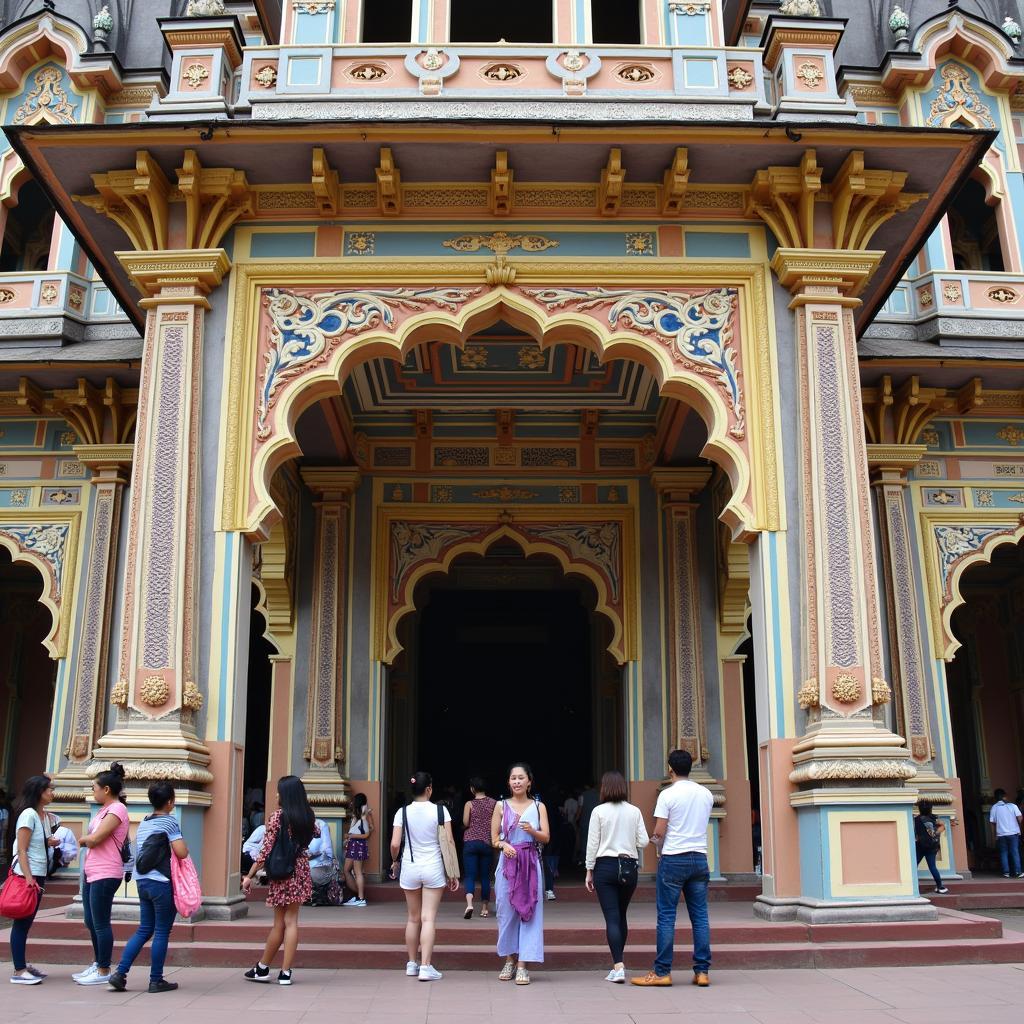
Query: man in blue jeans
{"x": 681, "y": 831}
{"x": 1005, "y": 818}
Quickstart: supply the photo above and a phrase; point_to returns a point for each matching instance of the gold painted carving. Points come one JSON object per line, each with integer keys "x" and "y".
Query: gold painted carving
{"x": 154, "y": 691}
{"x": 119, "y": 694}
{"x": 266, "y": 77}
{"x": 675, "y": 182}
{"x": 609, "y": 192}
{"x": 881, "y": 692}
{"x": 194, "y": 75}
{"x": 500, "y": 242}
{"x": 389, "y": 185}
{"x": 810, "y": 74}
{"x": 839, "y": 769}
{"x": 502, "y": 72}
{"x": 636, "y": 73}
{"x": 808, "y": 696}
{"x": 846, "y": 689}
{"x": 740, "y": 78}
{"x": 191, "y": 698}
{"x": 326, "y": 186}
{"x": 47, "y": 101}
{"x": 500, "y": 193}
{"x": 898, "y": 416}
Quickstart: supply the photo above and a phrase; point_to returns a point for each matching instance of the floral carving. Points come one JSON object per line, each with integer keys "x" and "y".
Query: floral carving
{"x": 740, "y": 78}
{"x": 500, "y": 242}
{"x": 433, "y": 60}
{"x": 881, "y": 692}
{"x": 473, "y": 357}
{"x": 47, "y": 100}
{"x": 957, "y": 99}
{"x": 505, "y": 494}
{"x": 48, "y": 294}
{"x": 573, "y": 61}
{"x": 195, "y": 74}
{"x": 368, "y": 72}
{"x": 696, "y": 328}
{"x": 304, "y": 329}
{"x": 951, "y": 292}
{"x": 154, "y": 691}
{"x": 266, "y": 77}
{"x": 635, "y": 73}
{"x": 846, "y": 689}
{"x": 192, "y": 698}
{"x": 6, "y": 295}
{"x": 807, "y": 696}
{"x": 1002, "y": 294}
{"x": 119, "y": 694}
{"x": 810, "y": 74}
{"x": 532, "y": 358}
{"x": 1011, "y": 435}
{"x": 502, "y": 72}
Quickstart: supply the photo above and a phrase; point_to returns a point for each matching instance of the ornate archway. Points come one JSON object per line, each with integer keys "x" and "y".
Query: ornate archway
{"x": 297, "y": 331}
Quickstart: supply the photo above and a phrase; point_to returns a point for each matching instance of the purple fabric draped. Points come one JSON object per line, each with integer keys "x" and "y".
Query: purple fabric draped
{"x": 521, "y": 870}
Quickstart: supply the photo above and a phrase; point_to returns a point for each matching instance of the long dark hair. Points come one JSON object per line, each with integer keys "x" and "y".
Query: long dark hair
{"x": 31, "y": 793}
{"x": 358, "y": 806}
{"x": 296, "y": 814}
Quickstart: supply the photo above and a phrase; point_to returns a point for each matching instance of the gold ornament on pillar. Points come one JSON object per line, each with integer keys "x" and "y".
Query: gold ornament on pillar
{"x": 154, "y": 691}
{"x": 846, "y": 689}
{"x": 191, "y": 697}
{"x": 119, "y": 694}
{"x": 807, "y": 696}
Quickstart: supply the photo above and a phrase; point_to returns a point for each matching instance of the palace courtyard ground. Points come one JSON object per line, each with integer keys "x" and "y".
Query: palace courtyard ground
{"x": 218, "y": 995}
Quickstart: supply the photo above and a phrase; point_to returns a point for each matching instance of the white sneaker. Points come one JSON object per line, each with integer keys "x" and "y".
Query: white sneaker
{"x": 351, "y": 901}
{"x": 91, "y": 969}
{"x": 95, "y": 979}
{"x": 430, "y": 973}
{"x": 412, "y": 969}
{"x": 617, "y": 976}
{"x": 356, "y": 903}
{"x": 550, "y": 895}
{"x": 28, "y": 979}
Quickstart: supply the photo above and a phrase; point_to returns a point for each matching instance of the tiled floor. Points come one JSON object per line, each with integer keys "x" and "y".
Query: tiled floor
{"x": 914, "y": 995}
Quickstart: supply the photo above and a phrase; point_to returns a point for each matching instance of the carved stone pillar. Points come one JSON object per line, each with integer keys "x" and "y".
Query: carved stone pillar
{"x": 110, "y": 464}
{"x": 157, "y": 692}
{"x": 849, "y": 769}
{"x": 325, "y": 778}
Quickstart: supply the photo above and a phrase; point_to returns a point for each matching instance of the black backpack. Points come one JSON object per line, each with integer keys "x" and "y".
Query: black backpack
{"x": 280, "y": 864}
{"x": 155, "y": 855}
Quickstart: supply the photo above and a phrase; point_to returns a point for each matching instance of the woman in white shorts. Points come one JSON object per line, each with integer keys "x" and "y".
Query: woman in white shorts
{"x": 417, "y": 863}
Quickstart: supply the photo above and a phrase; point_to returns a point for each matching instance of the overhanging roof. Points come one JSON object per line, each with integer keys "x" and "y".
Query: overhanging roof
{"x": 63, "y": 158}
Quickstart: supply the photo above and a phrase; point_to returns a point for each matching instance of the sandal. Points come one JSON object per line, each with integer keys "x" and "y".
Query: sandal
{"x": 485, "y": 912}
{"x": 522, "y": 976}
{"x": 509, "y": 970}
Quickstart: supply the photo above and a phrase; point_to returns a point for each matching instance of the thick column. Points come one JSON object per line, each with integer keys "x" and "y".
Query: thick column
{"x": 890, "y": 464}
{"x": 325, "y": 778}
{"x": 854, "y": 811}
{"x": 110, "y": 465}
{"x": 157, "y": 692}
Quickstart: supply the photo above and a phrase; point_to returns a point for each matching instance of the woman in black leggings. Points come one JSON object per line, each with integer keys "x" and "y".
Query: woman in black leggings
{"x": 616, "y": 836}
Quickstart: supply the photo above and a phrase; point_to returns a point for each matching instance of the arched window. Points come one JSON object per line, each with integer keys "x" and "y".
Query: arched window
{"x": 615, "y": 21}
{"x": 26, "y": 242}
{"x": 974, "y": 231}
{"x": 523, "y": 21}
{"x": 387, "y": 21}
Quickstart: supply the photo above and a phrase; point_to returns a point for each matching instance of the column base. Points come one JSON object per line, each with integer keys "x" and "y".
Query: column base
{"x": 152, "y": 752}
{"x": 219, "y": 908}
{"x": 811, "y": 911}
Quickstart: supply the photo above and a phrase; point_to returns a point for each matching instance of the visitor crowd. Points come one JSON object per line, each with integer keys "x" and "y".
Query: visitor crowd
{"x": 293, "y": 852}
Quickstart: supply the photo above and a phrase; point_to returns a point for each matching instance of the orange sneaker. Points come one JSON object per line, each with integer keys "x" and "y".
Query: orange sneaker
{"x": 652, "y": 980}
{"x": 701, "y": 979}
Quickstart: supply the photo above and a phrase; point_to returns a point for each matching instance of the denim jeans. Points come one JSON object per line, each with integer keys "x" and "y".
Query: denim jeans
{"x": 686, "y": 875}
{"x": 929, "y": 859}
{"x": 20, "y": 930}
{"x": 156, "y": 918}
{"x": 477, "y": 857}
{"x": 1009, "y": 854}
{"x": 97, "y": 899}
{"x": 614, "y": 897}
{"x": 550, "y": 871}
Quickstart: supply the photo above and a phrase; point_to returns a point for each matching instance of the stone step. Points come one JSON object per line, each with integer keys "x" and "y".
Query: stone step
{"x": 571, "y": 890}
{"x": 450, "y": 956}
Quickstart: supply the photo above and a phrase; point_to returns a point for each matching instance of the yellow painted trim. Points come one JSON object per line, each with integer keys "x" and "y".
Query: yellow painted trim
{"x": 835, "y": 819}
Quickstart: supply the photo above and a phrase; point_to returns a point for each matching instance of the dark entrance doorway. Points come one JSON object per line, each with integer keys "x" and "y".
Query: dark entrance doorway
{"x": 986, "y": 694}
{"x": 257, "y": 714}
{"x": 505, "y": 659}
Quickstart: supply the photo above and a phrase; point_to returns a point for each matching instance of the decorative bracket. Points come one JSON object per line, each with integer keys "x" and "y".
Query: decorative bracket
{"x": 389, "y": 185}
{"x": 613, "y": 177}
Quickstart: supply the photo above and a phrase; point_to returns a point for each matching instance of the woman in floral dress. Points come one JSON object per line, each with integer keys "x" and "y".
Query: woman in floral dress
{"x": 285, "y": 895}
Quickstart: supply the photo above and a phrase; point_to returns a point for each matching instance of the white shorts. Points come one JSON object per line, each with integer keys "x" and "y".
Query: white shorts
{"x": 423, "y": 875}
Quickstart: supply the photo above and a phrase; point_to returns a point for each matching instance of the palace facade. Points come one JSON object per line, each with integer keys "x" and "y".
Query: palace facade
{"x": 375, "y": 396}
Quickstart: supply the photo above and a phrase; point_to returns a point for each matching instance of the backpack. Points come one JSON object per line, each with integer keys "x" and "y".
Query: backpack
{"x": 280, "y": 864}
{"x": 927, "y": 834}
{"x": 155, "y": 855}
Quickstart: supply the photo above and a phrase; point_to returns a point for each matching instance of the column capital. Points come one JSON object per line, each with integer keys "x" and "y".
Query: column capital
{"x": 175, "y": 276}
{"x": 834, "y": 276}
{"x": 106, "y": 459}
{"x": 678, "y": 485}
{"x": 331, "y": 483}
{"x": 890, "y": 463}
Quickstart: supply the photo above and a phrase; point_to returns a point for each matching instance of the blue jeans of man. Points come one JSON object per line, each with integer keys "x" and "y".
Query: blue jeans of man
{"x": 97, "y": 900}
{"x": 156, "y": 918}
{"x": 478, "y": 857}
{"x": 929, "y": 859}
{"x": 686, "y": 875}
{"x": 21, "y": 927}
{"x": 1009, "y": 854}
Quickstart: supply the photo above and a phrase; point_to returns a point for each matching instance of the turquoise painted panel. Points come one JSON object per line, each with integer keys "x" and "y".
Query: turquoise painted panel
{"x": 102, "y": 301}
{"x": 693, "y": 30}
{"x": 304, "y": 70}
{"x": 313, "y": 28}
{"x": 890, "y": 117}
{"x": 1015, "y": 186}
{"x": 18, "y": 434}
{"x": 700, "y": 73}
{"x": 712, "y": 245}
{"x": 814, "y": 866}
{"x": 962, "y": 95}
{"x": 60, "y": 437}
{"x": 15, "y": 497}
{"x": 898, "y": 301}
{"x": 275, "y": 244}
{"x": 995, "y": 434}
{"x": 990, "y": 497}
{"x": 58, "y": 86}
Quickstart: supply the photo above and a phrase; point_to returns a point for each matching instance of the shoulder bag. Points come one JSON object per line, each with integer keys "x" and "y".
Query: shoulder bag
{"x": 449, "y": 855}
{"x": 283, "y": 855}
{"x": 17, "y": 900}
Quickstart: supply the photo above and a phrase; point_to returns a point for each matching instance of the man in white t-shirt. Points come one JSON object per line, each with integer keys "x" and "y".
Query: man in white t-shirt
{"x": 681, "y": 831}
{"x": 1006, "y": 818}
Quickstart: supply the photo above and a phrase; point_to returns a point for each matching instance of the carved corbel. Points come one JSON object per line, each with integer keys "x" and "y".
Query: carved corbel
{"x": 136, "y": 200}
{"x": 784, "y": 197}
{"x": 30, "y": 396}
{"x": 326, "y": 186}
{"x": 501, "y": 186}
{"x": 124, "y": 408}
{"x": 675, "y": 183}
{"x": 215, "y": 197}
{"x": 898, "y": 415}
{"x": 83, "y": 408}
{"x": 389, "y": 185}
{"x": 613, "y": 177}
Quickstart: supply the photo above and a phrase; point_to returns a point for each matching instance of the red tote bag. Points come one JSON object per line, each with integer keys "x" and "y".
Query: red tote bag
{"x": 17, "y": 900}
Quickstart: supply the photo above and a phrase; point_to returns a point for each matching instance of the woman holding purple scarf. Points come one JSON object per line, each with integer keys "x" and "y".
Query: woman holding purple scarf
{"x": 519, "y": 828}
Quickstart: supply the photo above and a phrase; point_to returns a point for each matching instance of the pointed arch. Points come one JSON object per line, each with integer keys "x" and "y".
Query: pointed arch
{"x": 703, "y": 334}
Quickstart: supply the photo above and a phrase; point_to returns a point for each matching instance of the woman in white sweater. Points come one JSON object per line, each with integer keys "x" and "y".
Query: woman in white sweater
{"x": 617, "y": 835}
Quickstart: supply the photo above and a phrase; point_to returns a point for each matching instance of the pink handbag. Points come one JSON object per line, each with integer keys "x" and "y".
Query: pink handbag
{"x": 185, "y": 881}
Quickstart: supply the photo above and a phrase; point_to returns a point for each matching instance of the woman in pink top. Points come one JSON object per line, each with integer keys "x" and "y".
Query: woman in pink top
{"x": 104, "y": 870}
